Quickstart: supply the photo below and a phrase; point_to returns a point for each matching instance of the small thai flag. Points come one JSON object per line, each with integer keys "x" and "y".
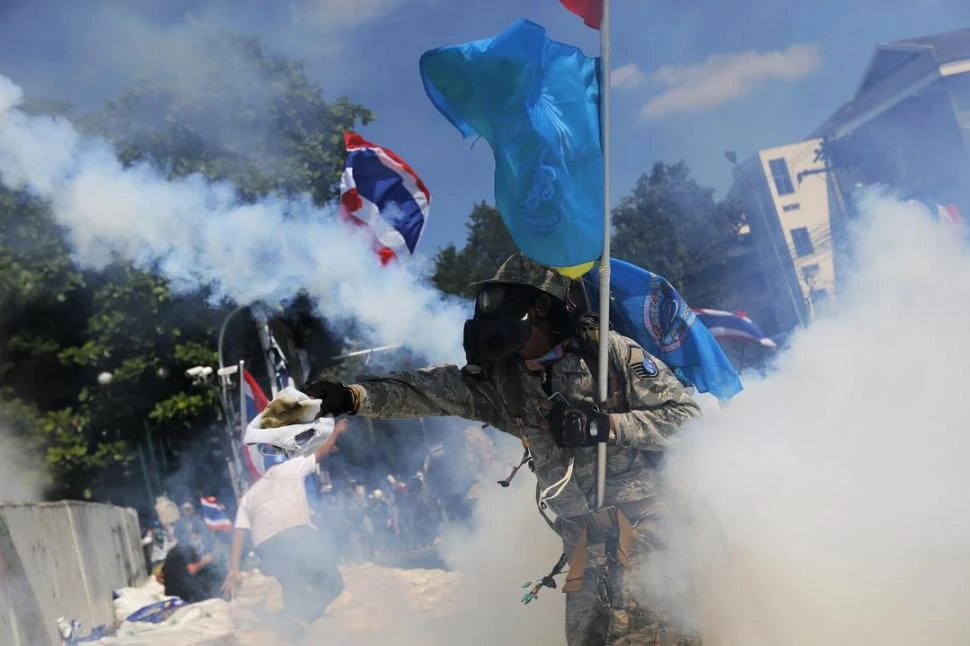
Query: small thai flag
{"x": 214, "y": 515}
{"x": 733, "y": 326}
{"x": 381, "y": 191}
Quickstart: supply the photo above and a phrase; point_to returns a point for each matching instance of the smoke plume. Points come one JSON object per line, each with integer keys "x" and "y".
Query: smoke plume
{"x": 196, "y": 234}
{"x": 827, "y": 503}
{"x": 20, "y": 475}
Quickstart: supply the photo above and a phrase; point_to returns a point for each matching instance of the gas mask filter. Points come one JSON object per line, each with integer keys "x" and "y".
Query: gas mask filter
{"x": 501, "y": 325}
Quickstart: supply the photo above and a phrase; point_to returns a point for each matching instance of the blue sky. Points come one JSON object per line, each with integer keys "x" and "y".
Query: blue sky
{"x": 698, "y": 76}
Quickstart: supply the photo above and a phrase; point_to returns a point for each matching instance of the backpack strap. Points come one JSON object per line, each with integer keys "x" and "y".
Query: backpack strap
{"x": 513, "y": 393}
{"x": 588, "y": 342}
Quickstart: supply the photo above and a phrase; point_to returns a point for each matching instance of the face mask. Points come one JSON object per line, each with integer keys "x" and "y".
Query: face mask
{"x": 501, "y": 326}
{"x": 272, "y": 455}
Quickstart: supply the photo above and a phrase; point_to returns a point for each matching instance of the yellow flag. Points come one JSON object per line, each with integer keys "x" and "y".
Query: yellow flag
{"x": 576, "y": 270}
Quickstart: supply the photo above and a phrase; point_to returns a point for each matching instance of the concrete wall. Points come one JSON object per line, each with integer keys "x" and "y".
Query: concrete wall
{"x": 63, "y": 559}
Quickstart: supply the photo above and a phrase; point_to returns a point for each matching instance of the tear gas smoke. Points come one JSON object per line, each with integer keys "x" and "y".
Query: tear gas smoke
{"x": 20, "y": 477}
{"x": 828, "y": 502}
{"x": 507, "y": 545}
{"x": 196, "y": 234}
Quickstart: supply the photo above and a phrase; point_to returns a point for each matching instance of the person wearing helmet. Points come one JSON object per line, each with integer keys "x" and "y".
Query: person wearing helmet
{"x": 276, "y": 511}
{"x": 531, "y": 353}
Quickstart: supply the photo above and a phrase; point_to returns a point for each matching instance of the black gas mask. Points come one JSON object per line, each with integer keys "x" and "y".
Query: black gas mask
{"x": 501, "y": 326}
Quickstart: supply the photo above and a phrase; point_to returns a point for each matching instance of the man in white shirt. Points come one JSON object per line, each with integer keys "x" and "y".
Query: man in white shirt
{"x": 276, "y": 511}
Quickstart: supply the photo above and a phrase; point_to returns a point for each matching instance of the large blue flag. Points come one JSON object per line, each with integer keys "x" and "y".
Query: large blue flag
{"x": 536, "y": 102}
{"x": 649, "y": 310}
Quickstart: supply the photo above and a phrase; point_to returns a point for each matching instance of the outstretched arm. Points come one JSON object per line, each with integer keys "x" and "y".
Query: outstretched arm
{"x": 328, "y": 445}
{"x": 437, "y": 391}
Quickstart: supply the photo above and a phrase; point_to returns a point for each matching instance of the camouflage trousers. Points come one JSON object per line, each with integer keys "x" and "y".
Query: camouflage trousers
{"x": 611, "y": 609}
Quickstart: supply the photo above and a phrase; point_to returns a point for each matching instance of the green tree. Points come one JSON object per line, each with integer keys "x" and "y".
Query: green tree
{"x": 668, "y": 224}
{"x": 245, "y": 116}
{"x": 253, "y": 120}
{"x": 672, "y": 226}
{"x": 488, "y": 245}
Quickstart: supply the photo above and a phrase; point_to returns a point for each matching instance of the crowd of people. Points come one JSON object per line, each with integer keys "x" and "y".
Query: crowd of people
{"x": 362, "y": 518}
{"x": 398, "y": 514}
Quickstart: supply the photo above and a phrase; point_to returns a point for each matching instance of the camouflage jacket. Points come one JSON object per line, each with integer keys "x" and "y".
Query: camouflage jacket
{"x": 649, "y": 405}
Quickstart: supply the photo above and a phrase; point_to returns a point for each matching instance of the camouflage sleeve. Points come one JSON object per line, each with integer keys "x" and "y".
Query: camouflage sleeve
{"x": 437, "y": 391}
{"x": 659, "y": 404}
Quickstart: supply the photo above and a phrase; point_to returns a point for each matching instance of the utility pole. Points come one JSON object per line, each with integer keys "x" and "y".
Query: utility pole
{"x": 839, "y": 225}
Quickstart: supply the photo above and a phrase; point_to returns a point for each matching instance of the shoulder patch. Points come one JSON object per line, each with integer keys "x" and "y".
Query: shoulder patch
{"x": 641, "y": 364}
{"x": 650, "y": 367}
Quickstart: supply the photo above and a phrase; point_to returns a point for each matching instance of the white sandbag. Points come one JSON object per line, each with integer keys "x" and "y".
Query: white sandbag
{"x": 196, "y": 623}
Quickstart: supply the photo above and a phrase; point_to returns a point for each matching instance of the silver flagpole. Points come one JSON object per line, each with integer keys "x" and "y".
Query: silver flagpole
{"x": 604, "y": 340}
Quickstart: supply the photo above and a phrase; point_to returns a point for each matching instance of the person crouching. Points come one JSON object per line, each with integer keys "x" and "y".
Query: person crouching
{"x": 290, "y": 549}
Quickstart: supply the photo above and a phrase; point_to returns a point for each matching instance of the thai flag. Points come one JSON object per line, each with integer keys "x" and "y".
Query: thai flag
{"x": 381, "y": 191}
{"x": 256, "y": 401}
{"x": 733, "y": 326}
{"x": 214, "y": 515}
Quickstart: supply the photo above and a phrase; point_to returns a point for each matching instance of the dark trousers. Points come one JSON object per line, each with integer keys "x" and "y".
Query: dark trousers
{"x": 304, "y": 562}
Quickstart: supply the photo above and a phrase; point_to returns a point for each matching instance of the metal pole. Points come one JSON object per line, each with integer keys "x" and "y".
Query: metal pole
{"x": 262, "y": 330}
{"x": 144, "y": 473}
{"x": 604, "y": 333}
{"x": 150, "y": 448}
{"x": 237, "y": 442}
{"x": 222, "y": 331}
{"x": 368, "y": 352}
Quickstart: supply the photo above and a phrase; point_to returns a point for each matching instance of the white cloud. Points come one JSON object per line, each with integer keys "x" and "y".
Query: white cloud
{"x": 725, "y": 77}
{"x": 339, "y": 14}
{"x": 626, "y": 77}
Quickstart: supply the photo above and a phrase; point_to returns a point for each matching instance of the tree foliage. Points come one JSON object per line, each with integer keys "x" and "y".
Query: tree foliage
{"x": 668, "y": 224}
{"x": 247, "y": 118}
{"x": 672, "y": 226}
{"x": 488, "y": 245}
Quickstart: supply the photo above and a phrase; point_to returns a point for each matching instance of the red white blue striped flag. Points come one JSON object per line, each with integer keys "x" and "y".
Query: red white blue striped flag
{"x": 214, "y": 515}
{"x": 381, "y": 191}
{"x": 256, "y": 401}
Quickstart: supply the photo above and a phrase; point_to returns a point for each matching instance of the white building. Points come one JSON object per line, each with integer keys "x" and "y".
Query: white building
{"x": 786, "y": 196}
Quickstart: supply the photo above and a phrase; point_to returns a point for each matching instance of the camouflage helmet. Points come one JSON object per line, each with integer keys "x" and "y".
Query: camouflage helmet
{"x": 519, "y": 269}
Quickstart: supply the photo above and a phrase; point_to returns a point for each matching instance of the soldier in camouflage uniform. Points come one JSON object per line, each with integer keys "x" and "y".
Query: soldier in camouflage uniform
{"x": 530, "y": 374}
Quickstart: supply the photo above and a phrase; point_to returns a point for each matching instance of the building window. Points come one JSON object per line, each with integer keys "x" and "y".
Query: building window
{"x": 779, "y": 173}
{"x": 803, "y": 242}
{"x": 788, "y": 208}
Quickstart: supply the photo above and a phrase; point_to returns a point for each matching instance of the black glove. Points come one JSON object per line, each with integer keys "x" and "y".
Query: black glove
{"x": 337, "y": 398}
{"x": 577, "y": 424}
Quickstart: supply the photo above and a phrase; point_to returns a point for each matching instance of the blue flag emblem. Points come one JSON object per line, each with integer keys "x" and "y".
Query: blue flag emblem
{"x": 647, "y": 309}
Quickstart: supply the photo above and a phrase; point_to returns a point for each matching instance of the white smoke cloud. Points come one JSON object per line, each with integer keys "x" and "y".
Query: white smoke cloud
{"x": 196, "y": 234}
{"x": 829, "y": 500}
{"x": 479, "y": 602}
{"x": 20, "y": 477}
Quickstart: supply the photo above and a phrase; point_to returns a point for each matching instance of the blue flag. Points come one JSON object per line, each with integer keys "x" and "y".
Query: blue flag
{"x": 536, "y": 102}
{"x": 647, "y": 309}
